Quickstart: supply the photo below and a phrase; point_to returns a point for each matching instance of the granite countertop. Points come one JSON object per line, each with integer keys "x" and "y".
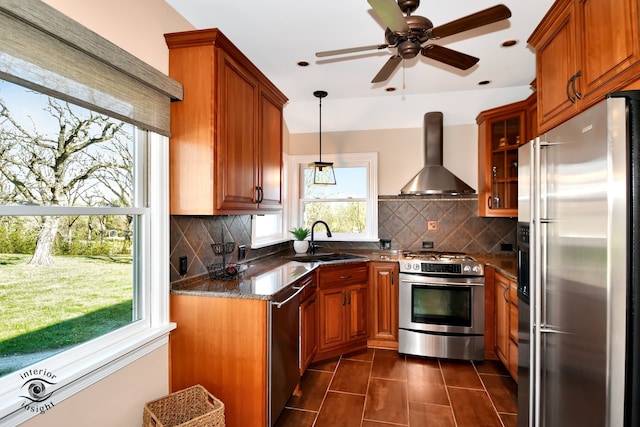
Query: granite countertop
{"x": 506, "y": 263}
{"x": 264, "y": 278}
{"x": 255, "y": 282}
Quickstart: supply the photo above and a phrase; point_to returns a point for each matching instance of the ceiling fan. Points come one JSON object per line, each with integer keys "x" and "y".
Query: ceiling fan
{"x": 409, "y": 33}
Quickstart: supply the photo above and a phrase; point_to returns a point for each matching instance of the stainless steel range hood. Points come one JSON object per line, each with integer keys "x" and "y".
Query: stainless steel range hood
{"x": 434, "y": 178}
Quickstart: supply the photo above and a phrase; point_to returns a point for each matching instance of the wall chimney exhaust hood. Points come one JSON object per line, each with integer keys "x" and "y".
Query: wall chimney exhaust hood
{"x": 434, "y": 178}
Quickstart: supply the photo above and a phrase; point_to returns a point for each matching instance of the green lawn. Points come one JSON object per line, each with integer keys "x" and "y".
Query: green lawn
{"x": 76, "y": 299}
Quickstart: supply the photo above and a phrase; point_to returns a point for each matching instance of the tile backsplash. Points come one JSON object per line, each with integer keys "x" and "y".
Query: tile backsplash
{"x": 405, "y": 220}
{"x": 402, "y": 219}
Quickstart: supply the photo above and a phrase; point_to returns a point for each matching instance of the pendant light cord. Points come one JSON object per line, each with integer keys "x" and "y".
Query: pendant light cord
{"x": 320, "y": 125}
{"x": 320, "y": 94}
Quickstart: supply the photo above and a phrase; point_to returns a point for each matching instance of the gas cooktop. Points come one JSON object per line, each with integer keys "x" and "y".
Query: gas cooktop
{"x": 435, "y": 262}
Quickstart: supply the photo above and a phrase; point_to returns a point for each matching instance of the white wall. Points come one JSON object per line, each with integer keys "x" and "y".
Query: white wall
{"x": 136, "y": 26}
{"x": 117, "y": 400}
{"x": 400, "y": 151}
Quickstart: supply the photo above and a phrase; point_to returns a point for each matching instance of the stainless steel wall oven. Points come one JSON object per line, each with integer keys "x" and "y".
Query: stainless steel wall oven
{"x": 441, "y": 306}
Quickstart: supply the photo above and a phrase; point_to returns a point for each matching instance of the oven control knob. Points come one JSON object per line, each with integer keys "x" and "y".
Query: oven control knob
{"x": 408, "y": 266}
{"x": 416, "y": 266}
{"x": 466, "y": 269}
{"x": 476, "y": 269}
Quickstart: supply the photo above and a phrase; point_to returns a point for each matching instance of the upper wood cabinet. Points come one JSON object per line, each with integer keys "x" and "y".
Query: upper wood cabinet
{"x": 501, "y": 131}
{"x": 225, "y": 151}
{"x": 584, "y": 50}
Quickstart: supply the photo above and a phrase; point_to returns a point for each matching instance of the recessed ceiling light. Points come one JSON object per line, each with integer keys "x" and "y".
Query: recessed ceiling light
{"x": 303, "y": 64}
{"x": 509, "y": 43}
{"x": 484, "y": 82}
{"x": 390, "y": 89}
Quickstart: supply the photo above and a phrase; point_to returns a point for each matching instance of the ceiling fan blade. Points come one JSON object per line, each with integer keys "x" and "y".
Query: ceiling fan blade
{"x": 351, "y": 50}
{"x": 449, "y": 56}
{"x": 475, "y": 20}
{"x": 390, "y": 14}
{"x": 388, "y": 68}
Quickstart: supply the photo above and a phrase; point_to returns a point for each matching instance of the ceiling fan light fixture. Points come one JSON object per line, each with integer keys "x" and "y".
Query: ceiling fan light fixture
{"x": 323, "y": 173}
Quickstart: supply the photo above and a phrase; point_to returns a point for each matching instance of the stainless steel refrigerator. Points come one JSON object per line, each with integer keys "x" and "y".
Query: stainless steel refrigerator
{"x": 578, "y": 197}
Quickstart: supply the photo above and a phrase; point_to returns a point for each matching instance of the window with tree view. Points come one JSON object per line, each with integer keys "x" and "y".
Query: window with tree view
{"x": 71, "y": 216}
{"x": 350, "y": 206}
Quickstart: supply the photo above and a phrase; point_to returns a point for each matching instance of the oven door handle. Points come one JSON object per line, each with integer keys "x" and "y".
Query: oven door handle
{"x": 441, "y": 284}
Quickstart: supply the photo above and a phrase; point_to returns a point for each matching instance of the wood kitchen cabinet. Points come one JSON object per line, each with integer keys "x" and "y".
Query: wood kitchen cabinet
{"x": 225, "y": 151}
{"x": 383, "y": 297}
{"x": 308, "y": 321}
{"x": 220, "y": 343}
{"x": 506, "y": 322}
{"x": 584, "y": 50}
{"x": 501, "y": 131}
{"x": 342, "y": 317}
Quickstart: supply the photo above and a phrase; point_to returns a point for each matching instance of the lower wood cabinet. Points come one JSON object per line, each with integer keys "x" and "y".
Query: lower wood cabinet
{"x": 383, "y": 302}
{"x": 342, "y": 317}
{"x": 308, "y": 321}
{"x": 221, "y": 343}
{"x": 506, "y": 322}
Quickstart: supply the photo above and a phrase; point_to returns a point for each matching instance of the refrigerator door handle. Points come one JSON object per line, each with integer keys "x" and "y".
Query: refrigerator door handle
{"x": 551, "y": 330}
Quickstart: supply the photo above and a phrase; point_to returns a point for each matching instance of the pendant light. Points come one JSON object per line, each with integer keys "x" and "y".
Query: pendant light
{"x": 323, "y": 173}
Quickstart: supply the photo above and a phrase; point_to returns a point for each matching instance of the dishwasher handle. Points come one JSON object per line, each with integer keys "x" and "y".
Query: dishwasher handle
{"x": 298, "y": 290}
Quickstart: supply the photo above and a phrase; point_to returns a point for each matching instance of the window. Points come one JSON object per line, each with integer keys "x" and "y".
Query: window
{"x": 49, "y": 53}
{"x": 350, "y": 207}
{"x": 266, "y": 230}
{"x": 68, "y": 177}
{"x": 269, "y": 229}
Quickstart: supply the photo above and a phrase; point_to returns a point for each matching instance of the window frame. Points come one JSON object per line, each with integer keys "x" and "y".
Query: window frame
{"x": 90, "y": 362}
{"x": 277, "y": 236}
{"x": 365, "y": 159}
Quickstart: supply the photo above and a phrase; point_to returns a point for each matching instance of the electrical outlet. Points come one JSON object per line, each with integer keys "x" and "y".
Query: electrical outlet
{"x": 432, "y": 225}
{"x": 242, "y": 252}
{"x": 183, "y": 265}
{"x": 506, "y": 247}
{"x": 427, "y": 244}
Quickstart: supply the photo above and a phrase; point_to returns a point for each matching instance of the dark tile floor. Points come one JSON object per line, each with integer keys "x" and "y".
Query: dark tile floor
{"x": 378, "y": 388}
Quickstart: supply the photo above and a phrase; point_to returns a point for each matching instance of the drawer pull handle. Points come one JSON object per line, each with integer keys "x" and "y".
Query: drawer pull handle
{"x": 346, "y": 277}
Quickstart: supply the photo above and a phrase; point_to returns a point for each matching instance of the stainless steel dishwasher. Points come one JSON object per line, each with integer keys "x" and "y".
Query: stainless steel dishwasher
{"x": 284, "y": 373}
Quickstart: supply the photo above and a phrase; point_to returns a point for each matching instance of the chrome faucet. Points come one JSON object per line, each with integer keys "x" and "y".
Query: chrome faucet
{"x": 312, "y": 245}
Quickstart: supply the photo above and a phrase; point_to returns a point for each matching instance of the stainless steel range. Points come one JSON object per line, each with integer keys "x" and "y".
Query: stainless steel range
{"x": 441, "y": 305}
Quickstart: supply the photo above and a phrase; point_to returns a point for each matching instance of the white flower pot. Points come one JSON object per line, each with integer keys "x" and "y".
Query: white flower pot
{"x": 300, "y": 246}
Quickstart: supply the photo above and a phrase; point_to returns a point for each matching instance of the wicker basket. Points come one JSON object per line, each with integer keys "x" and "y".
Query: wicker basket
{"x": 191, "y": 407}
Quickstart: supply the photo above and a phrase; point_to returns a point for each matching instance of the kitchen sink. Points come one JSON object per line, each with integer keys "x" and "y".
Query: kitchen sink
{"x": 323, "y": 257}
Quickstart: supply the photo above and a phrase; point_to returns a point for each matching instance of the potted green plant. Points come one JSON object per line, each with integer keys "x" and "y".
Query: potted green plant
{"x": 300, "y": 245}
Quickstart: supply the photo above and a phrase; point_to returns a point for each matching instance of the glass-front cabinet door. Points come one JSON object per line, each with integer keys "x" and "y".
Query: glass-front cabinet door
{"x": 501, "y": 132}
